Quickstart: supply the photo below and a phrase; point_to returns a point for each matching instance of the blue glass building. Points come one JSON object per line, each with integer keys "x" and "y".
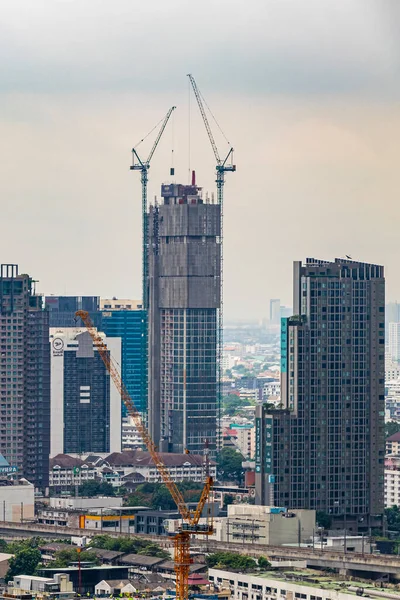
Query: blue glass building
{"x": 130, "y": 326}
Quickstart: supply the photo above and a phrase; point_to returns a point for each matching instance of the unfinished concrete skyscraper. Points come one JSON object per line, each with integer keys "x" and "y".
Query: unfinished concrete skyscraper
{"x": 184, "y": 299}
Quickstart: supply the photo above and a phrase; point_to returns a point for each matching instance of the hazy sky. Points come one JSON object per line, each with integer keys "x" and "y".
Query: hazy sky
{"x": 307, "y": 91}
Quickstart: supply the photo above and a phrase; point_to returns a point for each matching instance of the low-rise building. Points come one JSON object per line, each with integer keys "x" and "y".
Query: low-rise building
{"x": 392, "y": 480}
{"x": 25, "y": 586}
{"x": 66, "y": 512}
{"x": 182, "y": 467}
{"x": 114, "y": 587}
{"x": 278, "y": 585}
{"x": 393, "y": 444}
{"x": 131, "y": 438}
{"x": 17, "y": 500}
{"x": 66, "y": 472}
{"x": 268, "y": 525}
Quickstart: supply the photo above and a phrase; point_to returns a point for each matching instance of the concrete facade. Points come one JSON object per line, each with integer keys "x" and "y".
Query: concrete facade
{"x": 184, "y": 297}
{"x": 24, "y": 377}
{"x": 17, "y": 502}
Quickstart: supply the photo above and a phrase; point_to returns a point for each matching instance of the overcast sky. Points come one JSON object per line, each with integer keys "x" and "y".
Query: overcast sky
{"x": 307, "y": 91}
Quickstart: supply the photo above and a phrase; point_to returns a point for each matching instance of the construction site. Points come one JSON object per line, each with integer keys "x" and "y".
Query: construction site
{"x": 182, "y": 292}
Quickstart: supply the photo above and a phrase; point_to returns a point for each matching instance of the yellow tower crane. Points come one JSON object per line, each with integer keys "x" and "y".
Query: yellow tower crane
{"x": 191, "y": 519}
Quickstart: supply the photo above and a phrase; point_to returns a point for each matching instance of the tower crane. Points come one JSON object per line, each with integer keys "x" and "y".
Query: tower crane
{"x": 143, "y": 166}
{"x": 190, "y": 519}
{"x": 222, "y": 167}
{"x": 222, "y": 164}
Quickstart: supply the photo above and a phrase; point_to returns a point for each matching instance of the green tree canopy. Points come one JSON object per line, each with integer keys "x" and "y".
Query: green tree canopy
{"x": 231, "y": 560}
{"x": 128, "y": 545}
{"x": 231, "y": 404}
{"x": 391, "y": 427}
{"x": 25, "y": 562}
{"x": 264, "y": 563}
{"x": 323, "y": 519}
{"x": 93, "y": 488}
{"x": 228, "y": 499}
{"x": 229, "y": 463}
{"x": 65, "y": 557}
{"x": 393, "y": 518}
{"x": 157, "y": 495}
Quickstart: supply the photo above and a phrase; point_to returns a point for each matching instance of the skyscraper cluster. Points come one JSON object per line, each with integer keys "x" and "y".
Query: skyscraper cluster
{"x": 321, "y": 449}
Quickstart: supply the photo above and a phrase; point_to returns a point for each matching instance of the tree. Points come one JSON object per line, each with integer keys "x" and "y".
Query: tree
{"x": 228, "y": 499}
{"x": 232, "y": 403}
{"x": 131, "y": 545}
{"x": 64, "y": 558}
{"x": 393, "y": 518}
{"x": 264, "y": 563}
{"x": 323, "y": 519}
{"x": 231, "y": 560}
{"x": 25, "y": 562}
{"x": 392, "y": 427}
{"x": 229, "y": 463}
{"x": 93, "y": 488}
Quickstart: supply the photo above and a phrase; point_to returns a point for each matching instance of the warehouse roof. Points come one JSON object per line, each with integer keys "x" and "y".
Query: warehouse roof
{"x": 141, "y": 560}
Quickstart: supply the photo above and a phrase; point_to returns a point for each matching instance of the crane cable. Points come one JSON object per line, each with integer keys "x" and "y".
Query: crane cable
{"x": 215, "y": 120}
{"x": 189, "y": 125}
{"x": 150, "y": 132}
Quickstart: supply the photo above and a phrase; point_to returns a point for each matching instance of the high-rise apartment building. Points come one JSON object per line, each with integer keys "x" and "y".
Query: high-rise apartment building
{"x": 324, "y": 449}
{"x": 394, "y": 341}
{"x": 62, "y": 310}
{"x": 184, "y": 297}
{"x": 127, "y": 320}
{"x": 122, "y": 318}
{"x": 85, "y": 404}
{"x": 275, "y": 311}
{"x": 24, "y": 377}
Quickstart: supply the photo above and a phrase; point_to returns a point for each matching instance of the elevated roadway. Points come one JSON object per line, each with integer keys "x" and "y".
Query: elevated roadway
{"x": 350, "y": 562}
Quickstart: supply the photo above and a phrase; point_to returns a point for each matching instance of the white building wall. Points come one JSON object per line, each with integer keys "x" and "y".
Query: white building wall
{"x": 17, "y": 502}
{"x": 64, "y": 340}
{"x": 394, "y": 341}
{"x": 85, "y": 503}
{"x": 392, "y": 488}
{"x": 254, "y": 587}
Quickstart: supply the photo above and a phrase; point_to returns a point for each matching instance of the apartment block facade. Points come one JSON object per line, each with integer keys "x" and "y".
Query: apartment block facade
{"x": 324, "y": 449}
{"x": 24, "y": 377}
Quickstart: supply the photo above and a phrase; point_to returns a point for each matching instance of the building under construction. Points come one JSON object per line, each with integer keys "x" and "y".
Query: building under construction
{"x": 184, "y": 300}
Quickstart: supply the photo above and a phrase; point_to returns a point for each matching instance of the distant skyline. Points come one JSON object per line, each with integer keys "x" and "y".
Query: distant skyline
{"x": 307, "y": 92}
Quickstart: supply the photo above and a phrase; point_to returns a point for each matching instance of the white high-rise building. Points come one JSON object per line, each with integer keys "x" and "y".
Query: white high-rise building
{"x": 394, "y": 341}
{"x": 85, "y": 404}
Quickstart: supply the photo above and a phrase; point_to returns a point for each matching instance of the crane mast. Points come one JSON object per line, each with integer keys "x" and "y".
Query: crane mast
{"x": 221, "y": 168}
{"x": 143, "y": 166}
{"x": 191, "y": 519}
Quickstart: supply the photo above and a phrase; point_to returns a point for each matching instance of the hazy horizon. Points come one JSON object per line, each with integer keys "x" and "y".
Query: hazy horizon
{"x": 307, "y": 92}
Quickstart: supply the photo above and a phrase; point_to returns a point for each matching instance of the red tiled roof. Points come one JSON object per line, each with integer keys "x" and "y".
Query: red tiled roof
{"x": 65, "y": 461}
{"x": 135, "y": 458}
{"x": 394, "y": 438}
